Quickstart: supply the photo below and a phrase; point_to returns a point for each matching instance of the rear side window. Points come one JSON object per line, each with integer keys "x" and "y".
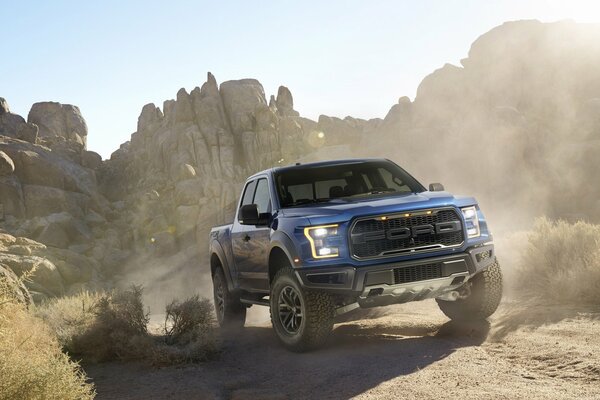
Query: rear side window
{"x": 248, "y": 193}
{"x": 262, "y": 199}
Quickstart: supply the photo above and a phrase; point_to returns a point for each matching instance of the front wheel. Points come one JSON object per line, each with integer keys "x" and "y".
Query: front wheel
{"x": 231, "y": 313}
{"x": 302, "y": 319}
{"x": 486, "y": 293}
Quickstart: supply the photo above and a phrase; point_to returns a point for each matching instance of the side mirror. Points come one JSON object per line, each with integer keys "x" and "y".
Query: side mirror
{"x": 436, "y": 187}
{"x": 249, "y": 215}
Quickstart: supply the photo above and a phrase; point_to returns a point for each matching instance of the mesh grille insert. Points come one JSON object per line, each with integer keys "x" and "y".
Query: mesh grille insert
{"x": 371, "y": 237}
{"x": 417, "y": 273}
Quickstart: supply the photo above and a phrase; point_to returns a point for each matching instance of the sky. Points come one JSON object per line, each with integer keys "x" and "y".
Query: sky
{"x": 337, "y": 57}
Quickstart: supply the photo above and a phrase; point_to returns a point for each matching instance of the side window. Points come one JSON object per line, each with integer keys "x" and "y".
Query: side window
{"x": 248, "y": 193}
{"x": 262, "y": 199}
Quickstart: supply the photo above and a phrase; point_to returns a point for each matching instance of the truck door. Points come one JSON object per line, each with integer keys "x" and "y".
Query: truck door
{"x": 254, "y": 272}
{"x": 239, "y": 235}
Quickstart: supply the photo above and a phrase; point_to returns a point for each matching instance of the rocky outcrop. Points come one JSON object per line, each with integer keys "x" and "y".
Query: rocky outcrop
{"x": 182, "y": 170}
{"x": 14, "y": 125}
{"x": 59, "y": 120}
{"x": 285, "y": 103}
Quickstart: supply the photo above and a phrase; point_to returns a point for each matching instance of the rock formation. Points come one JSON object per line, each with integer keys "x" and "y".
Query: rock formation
{"x": 517, "y": 124}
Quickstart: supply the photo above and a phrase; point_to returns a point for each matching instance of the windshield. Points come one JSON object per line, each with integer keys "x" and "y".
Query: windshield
{"x": 297, "y": 186}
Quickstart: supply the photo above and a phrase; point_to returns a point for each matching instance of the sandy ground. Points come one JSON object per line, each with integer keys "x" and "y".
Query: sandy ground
{"x": 405, "y": 351}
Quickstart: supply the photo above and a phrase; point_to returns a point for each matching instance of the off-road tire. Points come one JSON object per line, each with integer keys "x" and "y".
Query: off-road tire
{"x": 318, "y": 311}
{"x": 233, "y": 313}
{"x": 486, "y": 293}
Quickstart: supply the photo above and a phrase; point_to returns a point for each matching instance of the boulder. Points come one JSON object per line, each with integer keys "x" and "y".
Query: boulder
{"x": 4, "y": 109}
{"x": 11, "y": 196}
{"x": 27, "y": 132}
{"x": 38, "y": 165}
{"x": 54, "y": 235}
{"x": 149, "y": 117}
{"x": 9, "y": 122}
{"x": 44, "y": 276}
{"x": 91, "y": 159}
{"x": 72, "y": 266}
{"x": 7, "y": 166}
{"x": 240, "y": 100}
{"x": 62, "y": 120}
{"x": 285, "y": 103}
{"x": 44, "y": 200}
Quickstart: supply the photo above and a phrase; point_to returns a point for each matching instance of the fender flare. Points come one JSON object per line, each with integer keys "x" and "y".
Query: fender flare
{"x": 217, "y": 249}
{"x": 283, "y": 242}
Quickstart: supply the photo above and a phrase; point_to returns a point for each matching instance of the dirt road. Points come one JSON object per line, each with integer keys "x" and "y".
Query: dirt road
{"x": 407, "y": 351}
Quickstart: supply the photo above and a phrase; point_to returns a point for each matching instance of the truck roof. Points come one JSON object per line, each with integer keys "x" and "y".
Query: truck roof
{"x": 317, "y": 164}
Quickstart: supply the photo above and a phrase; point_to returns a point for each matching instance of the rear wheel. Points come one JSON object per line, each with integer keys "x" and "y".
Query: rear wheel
{"x": 486, "y": 293}
{"x": 231, "y": 313}
{"x": 302, "y": 319}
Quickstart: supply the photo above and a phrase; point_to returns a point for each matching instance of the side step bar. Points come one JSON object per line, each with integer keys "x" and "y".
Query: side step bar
{"x": 257, "y": 301}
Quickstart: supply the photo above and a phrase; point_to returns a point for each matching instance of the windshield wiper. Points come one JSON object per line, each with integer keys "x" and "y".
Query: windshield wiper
{"x": 382, "y": 190}
{"x": 301, "y": 202}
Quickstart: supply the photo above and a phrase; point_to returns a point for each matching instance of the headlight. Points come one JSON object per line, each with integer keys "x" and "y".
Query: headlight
{"x": 319, "y": 238}
{"x": 472, "y": 221}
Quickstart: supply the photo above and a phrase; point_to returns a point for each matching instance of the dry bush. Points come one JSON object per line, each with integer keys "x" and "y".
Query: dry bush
{"x": 189, "y": 332}
{"x": 185, "y": 320}
{"x": 69, "y": 317}
{"x": 32, "y": 365}
{"x": 113, "y": 326}
{"x": 561, "y": 264}
{"x": 118, "y": 330}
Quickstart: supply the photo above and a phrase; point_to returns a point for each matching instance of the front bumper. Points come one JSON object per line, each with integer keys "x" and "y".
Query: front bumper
{"x": 400, "y": 282}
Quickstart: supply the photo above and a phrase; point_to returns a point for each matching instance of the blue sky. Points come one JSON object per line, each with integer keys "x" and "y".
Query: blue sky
{"x": 337, "y": 57}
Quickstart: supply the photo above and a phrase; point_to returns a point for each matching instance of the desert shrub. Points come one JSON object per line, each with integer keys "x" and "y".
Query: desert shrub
{"x": 113, "y": 326}
{"x": 70, "y": 316}
{"x": 118, "y": 329}
{"x": 188, "y": 319}
{"x": 561, "y": 263}
{"x": 189, "y": 333}
{"x": 32, "y": 365}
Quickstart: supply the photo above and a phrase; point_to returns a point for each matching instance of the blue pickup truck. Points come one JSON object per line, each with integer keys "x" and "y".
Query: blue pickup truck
{"x": 313, "y": 241}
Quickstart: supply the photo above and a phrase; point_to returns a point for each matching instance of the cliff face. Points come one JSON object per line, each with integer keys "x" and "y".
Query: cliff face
{"x": 517, "y": 125}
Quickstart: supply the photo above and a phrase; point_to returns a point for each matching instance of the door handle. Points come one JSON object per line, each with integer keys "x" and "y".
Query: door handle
{"x": 246, "y": 238}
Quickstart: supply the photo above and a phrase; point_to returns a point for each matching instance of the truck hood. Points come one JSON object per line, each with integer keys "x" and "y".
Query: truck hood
{"x": 342, "y": 210}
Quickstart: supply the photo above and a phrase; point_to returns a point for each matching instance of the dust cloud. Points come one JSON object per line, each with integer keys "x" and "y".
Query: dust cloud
{"x": 516, "y": 125}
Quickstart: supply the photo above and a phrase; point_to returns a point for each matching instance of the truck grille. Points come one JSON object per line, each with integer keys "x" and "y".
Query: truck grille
{"x": 417, "y": 273}
{"x": 420, "y": 231}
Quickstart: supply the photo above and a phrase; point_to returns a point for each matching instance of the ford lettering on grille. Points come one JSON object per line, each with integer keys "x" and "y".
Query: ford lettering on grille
{"x": 409, "y": 232}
